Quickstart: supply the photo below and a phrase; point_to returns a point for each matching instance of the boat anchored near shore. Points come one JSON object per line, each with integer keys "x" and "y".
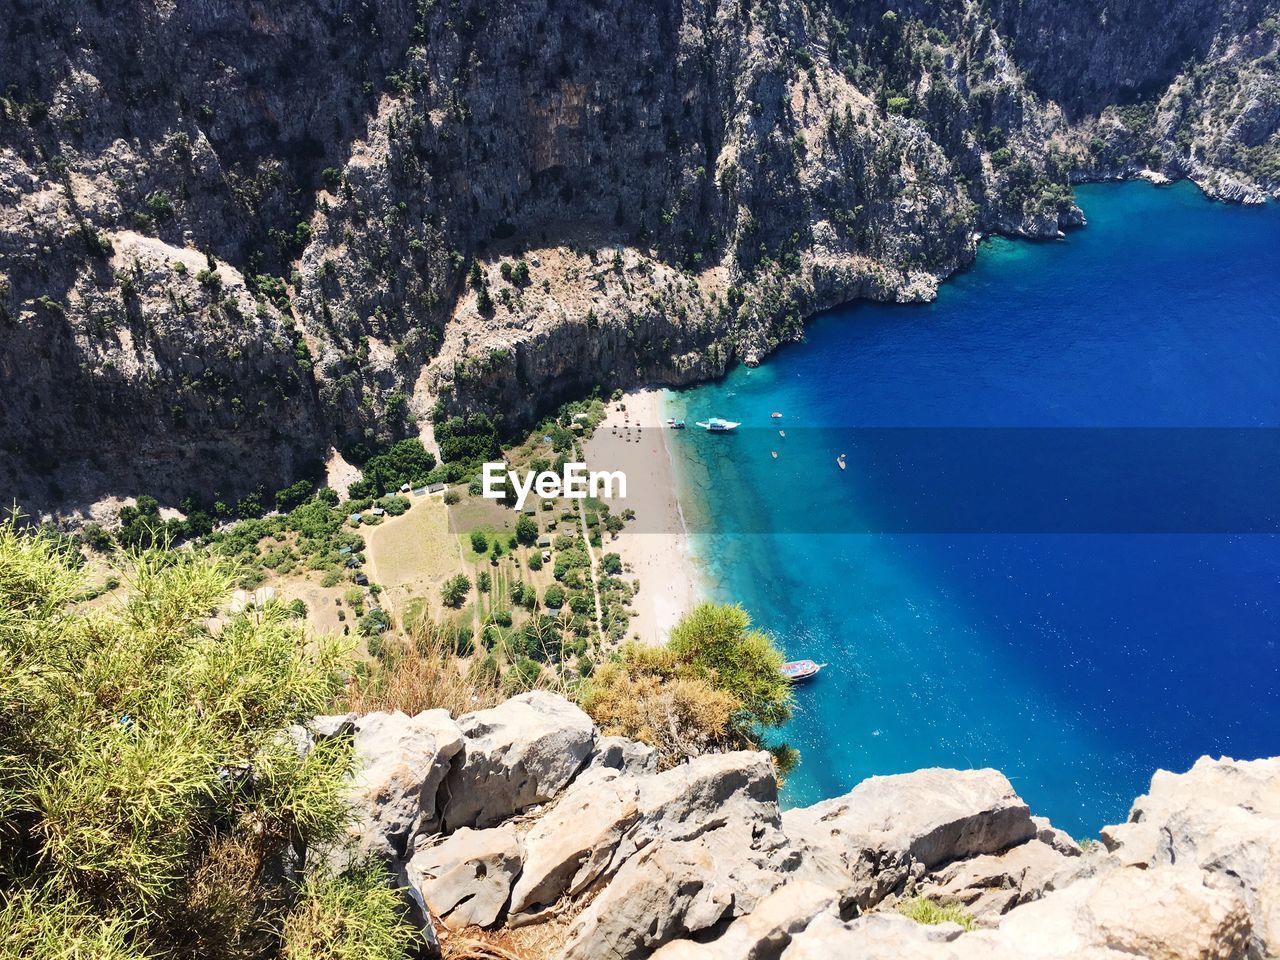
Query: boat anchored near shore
{"x": 717, "y": 425}
{"x": 798, "y": 671}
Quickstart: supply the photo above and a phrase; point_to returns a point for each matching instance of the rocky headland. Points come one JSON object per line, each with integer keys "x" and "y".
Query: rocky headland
{"x": 236, "y": 235}
{"x": 523, "y": 822}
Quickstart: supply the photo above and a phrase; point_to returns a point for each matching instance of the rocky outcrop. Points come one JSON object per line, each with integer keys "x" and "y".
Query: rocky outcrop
{"x": 401, "y": 762}
{"x": 515, "y": 755}
{"x": 466, "y": 877}
{"x": 1223, "y": 818}
{"x": 522, "y": 815}
{"x": 888, "y": 831}
{"x": 234, "y": 236}
{"x": 1121, "y": 914}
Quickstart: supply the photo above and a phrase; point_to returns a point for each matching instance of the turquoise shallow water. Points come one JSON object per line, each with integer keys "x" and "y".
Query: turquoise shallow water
{"x": 1077, "y": 663}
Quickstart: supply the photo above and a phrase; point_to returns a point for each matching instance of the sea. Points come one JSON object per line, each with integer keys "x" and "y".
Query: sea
{"x": 1053, "y": 548}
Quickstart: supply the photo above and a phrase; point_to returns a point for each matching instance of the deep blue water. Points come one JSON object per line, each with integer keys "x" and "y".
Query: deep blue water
{"x": 1076, "y": 663}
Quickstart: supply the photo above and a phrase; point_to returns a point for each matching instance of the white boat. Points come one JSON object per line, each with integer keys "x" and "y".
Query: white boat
{"x": 776, "y": 415}
{"x": 675, "y": 424}
{"x": 799, "y": 670}
{"x": 716, "y": 425}
{"x": 840, "y": 461}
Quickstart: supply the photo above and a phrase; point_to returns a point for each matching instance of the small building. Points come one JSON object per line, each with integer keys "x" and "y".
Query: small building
{"x": 353, "y": 517}
{"x": 420, "y": 492}
{"x": 404, "y": 488}
{"x": 377, "y": 511}
{"x": 344, "y": 551}
{"x": 544, "y": 541}
{"x": 546, "y": 556}
{"x": 362, "y": 580}
{"x": 435, "y": 488}
{"x": 352, "y": 563}
{"x": 530, "y": 512}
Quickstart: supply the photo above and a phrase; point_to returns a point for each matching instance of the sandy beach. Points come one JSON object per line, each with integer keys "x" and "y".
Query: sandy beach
{"x": 657, "y": 552}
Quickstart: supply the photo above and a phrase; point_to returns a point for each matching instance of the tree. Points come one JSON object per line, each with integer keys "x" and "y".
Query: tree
{"x": 150, "y": 801}
{"x": 479, "y": 542}
{"x": 455, "y": 590}
{"x": 526, "y": 531}
{"x": 407, "y": 461}
{"x": 709, "y": 689}
{"x": 718, "y": 639}
{"x": 293, "y": 495}
{"x": 554, "y": 597}
{"x": 483, "y": 581}
{"x": 648, "y": 694}
{"x": 612, "y": 564}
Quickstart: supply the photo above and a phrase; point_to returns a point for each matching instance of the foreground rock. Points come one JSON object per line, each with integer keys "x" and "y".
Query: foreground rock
{"x": 990, "y": 885}
{"x": 466, "y": 878}
{"x": 891, "y": 830}
{"x": 400, "y": 762}
{"x": 1164, "y": 915}
{"x": 516, "y": 754}
{"x": 522, "y": 813}
{"x": 705, "y": 846}
{"x": 1223, "y": 817}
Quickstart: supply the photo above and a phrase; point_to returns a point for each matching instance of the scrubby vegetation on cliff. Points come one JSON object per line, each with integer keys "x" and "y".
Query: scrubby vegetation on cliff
{"x": 152, "y": 800}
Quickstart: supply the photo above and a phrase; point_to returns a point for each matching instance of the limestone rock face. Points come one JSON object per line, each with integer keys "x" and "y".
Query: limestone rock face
{"x": 764, "y": 932}
{"x": 993, "y": 884}
{"x": 401, "y": 762}
{"x": 466, "y": 878}
{"x": 628, "y": 756}
{"x": 514, "y": 755}
{"x": 706, "y": 847}
{"x": 1159, "y": 915}
{"x": 1223, "y": 816}
{"x": 521, "y": 813}
{"x": 573, "y": 844}
{"x": 889, "y": 830}
{"x": 1164, "y": 915}
{"x": 1060, "y": 840}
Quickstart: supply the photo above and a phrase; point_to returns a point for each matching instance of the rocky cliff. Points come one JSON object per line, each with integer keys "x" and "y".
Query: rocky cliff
{"x": 235, "y": 234}
{"x": 522, "y": 819}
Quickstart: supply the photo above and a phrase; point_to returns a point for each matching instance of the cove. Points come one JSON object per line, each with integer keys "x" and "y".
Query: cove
{"x": 1076, "y": 663}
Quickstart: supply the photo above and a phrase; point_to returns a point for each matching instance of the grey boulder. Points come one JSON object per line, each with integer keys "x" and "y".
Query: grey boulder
{"x": 514, "y": 755}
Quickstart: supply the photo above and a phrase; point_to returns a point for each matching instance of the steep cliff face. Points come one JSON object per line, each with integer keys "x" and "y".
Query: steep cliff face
{"x": 1095, "y": 53}
{"x": 230, "y": 226}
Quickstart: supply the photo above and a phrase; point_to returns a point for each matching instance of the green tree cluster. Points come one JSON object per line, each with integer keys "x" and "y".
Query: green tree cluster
{"x": 407, "y": 461}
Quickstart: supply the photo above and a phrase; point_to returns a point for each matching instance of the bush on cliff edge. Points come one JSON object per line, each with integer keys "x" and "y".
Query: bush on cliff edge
{"x": 710, "y": 689}
{"x": 151, "y": 803}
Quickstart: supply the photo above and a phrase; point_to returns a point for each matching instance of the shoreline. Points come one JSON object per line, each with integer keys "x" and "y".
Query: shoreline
{"x": 661, "y": 558}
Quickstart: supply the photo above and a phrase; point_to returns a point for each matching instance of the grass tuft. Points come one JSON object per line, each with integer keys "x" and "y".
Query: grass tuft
{"x": 930, "y": 912}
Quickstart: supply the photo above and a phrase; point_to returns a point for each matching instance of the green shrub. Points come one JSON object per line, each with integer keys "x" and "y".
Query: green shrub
{"x": 356, "y": 916}
{"x": 131, "y": 825}
{"x": 455, "y": 590}
{"x": 526, "y": 531}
